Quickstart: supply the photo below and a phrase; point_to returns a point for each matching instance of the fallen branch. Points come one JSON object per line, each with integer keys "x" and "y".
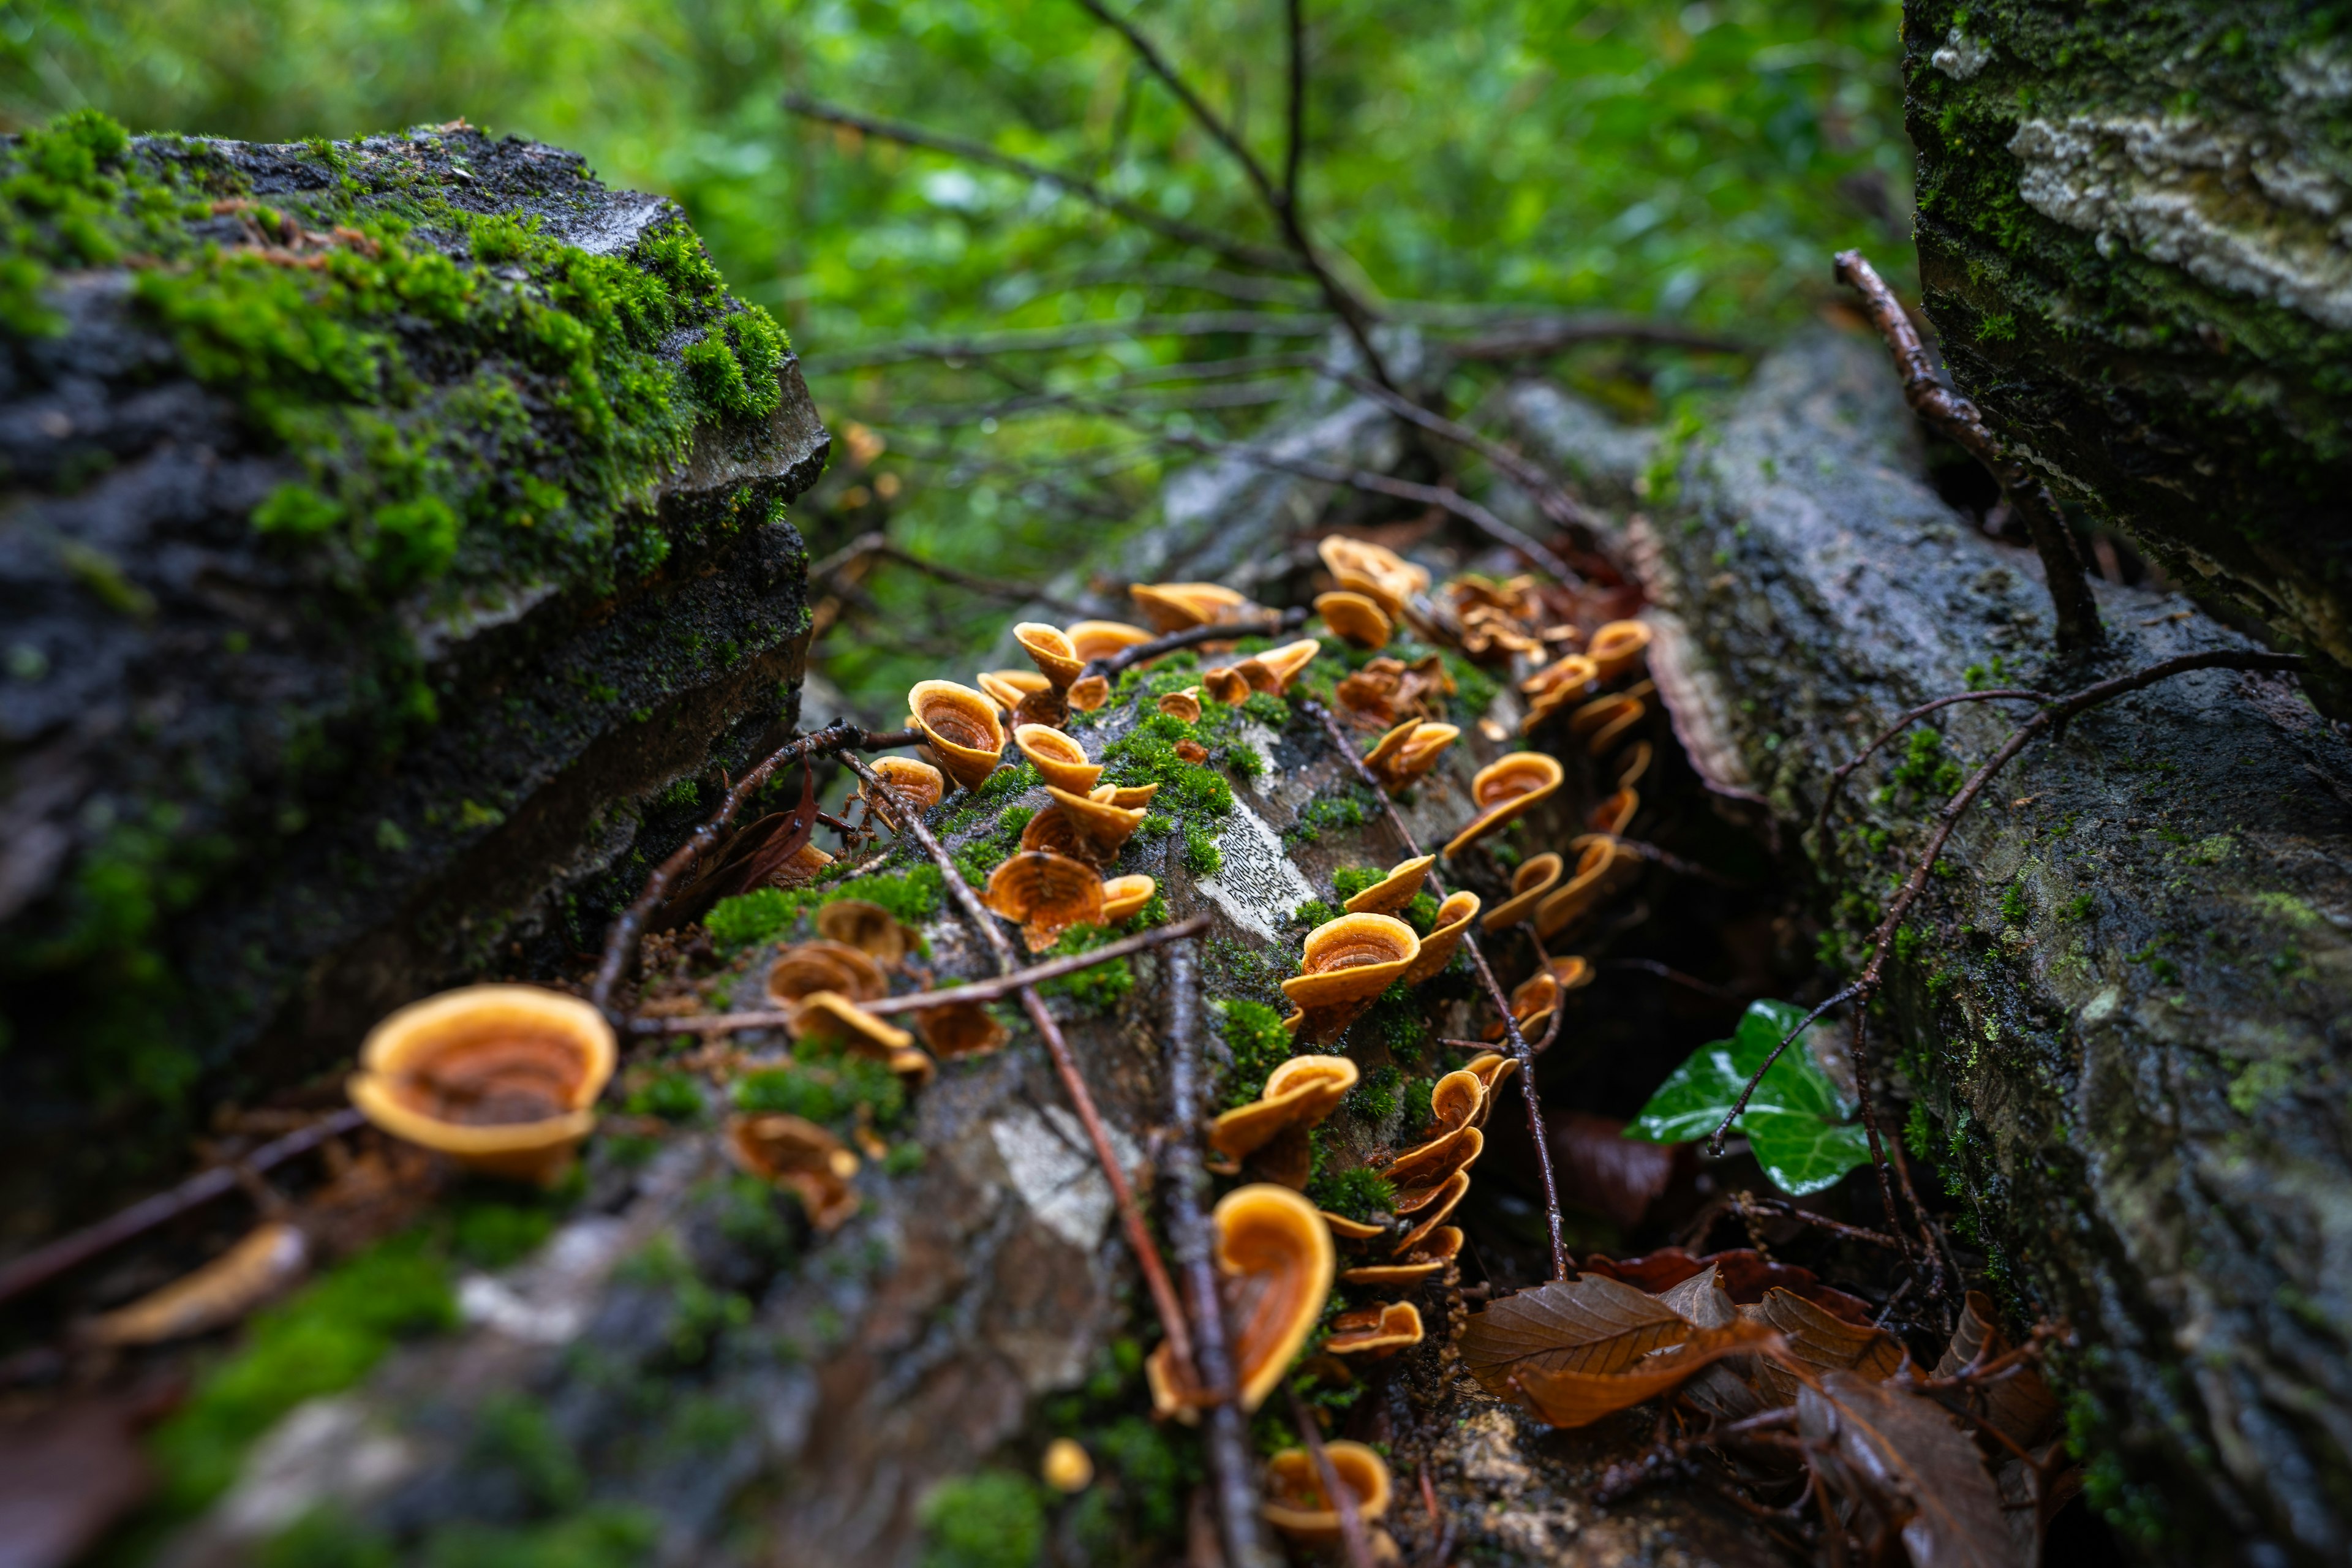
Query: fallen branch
{"x": 2071, "y": 600}
{"x": 994, "y": 990}
{"x": 1564, "y": 511}
{"x": 1139, "y": 1235}
{"x": 877, "y": 544}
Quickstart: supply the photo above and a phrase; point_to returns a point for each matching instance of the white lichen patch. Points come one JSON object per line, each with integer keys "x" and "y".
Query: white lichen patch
{"x": 1962, "y": 56}
{"x": 1052, "y": 1165}
{"x": 1255, "y": 884}
{"x": 2234, "y": 207}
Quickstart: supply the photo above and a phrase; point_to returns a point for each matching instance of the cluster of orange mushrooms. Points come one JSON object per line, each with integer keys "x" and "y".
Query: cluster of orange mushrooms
{"x": 503, "y": 1079}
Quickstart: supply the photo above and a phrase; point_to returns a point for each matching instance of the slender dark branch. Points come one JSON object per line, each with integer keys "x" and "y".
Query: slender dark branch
{"x": 1820, "y": 1222}
{"x": 1846, "y": 770}
{"x": 994, "y": 990}
{"x": 877, "y": 544}
{"x": 1085, "y": 335}
{"x": 2071, "y": 599}
{"x": 1352, "y": 1540}
{"x": 1714, "y": 1144}
{"x": 45, "y": 1263}
{"x": 1111, "y": 665}
{"x": 1240, "y": 252}
{"x": 621, "y": 940}
{"x": 1675, "y": 977}
{"x": 1678, "y": 865}
{"x": 1543, "y": 336}
{"x": 1520, "y": 1052}
{"x": 1861, "y": 1059}
{"x": 1294, "y": 147}
{"x": 1138, "y": 1233}
{"x": 1353, "y": 313}
{"x": 1194, "y": 1242}
{"x": 1563, "y": 509}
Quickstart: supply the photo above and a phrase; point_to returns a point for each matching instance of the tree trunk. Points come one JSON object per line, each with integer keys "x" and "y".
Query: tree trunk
{"x": 2126, "y": 1002}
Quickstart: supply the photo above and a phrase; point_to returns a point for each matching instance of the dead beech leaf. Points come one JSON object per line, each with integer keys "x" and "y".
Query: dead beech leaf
{"x": 1909, "y": 1450}
{"x": 1587, "y": 1325}
{"x": 1570, "y": 1398}
{"x": 1816, "y": 1340}
{"x": 1746, "y": 1273}
{"x": 2019, "y": 1406}
{"x": 1702, "y": 1299}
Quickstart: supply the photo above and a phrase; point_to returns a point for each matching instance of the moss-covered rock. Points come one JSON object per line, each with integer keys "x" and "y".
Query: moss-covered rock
{"x": 392, "y": 526}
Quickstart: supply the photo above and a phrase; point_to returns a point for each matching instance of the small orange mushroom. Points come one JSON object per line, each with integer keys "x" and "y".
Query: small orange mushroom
{"x": 1346, "y": 1229}
{"x": 800, "y": 1157}
{"x": 1277, "y": 1252}
{"x": 1184, "y": 704}
{"x": 1441, "y": 1246}
{"x": 1099, "y": 826}
{"x": 1637, "y": 763}
{"x": 1296, "y": 1504}
{"x": 1067, "y": 1466}
{"x": 1408, "y": 752}
{"x": 1602, "y": 868}
{"x": 1059, "y": 758}
{"x": 1603, "y": 721}
{"x": 1347, "y": 963}
{"x": 1420, "y": 1172}
{"x": 1536, "y": 877}
{"x": 501, "y": 1079}
{"x": 868, "y": 927}
{"x": 1049, "y": 649}
{"x": 1395, "y": 890}
{"x": 1087, "y": 692}
{"x": 960, "y": 1029}
{"x": 1569, "y": 674}
{"x": 1355, "y": 618}
{"x": 1045, "y": 894}
{"x": 1226, "y": 685}
{"x": 1490, "y": 1068}
{"x": 1124, "y": 897}
{"x": 1178, "y": 606}
{"x": 962, "y": 729}
{"x": 1127, "y": 797}
{"x": 1444, "y": 939}
{"x": 1435, "y": 1211}
{"x": 270, "y": 1257}
{"x": 1375, "y": 1333}
{"x": 1012, "y": 688}
{"x": 909, "y": 781}
{"x": 1052, "y": 833}
{"x": 1092, "y": 640}
{"x": 801, "y": 971}
{"x": 1612, "y": 815}
{"x": 831, "y": 1018}
{"x": 1504, "y": 789}
{"x": 1299, "y": 1094}
{"x": 1272, "y": 670}
{"x": 1381, "y": 575}
{"x": 1618, "y": 646}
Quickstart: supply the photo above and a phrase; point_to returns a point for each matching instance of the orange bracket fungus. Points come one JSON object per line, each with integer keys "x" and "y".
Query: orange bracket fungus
{"x": 1346, "y": 1229}
{"x": 833, "y": 1020}
{"x": 803, "y": 971}
{"x": 1395, "y": 890}
{"x": 1444, "y": 939}
{"x": 1490, "y": 1068}
{"x": 1124, "y": 897}
{"x": 1534, "y": 879}
{"x": 1603, "y": 723}
{"x": 1184, "y": 704}
{"x": 1612, "y": 815}
{"x": 1045, "y": 894}
{"x": 1012, "y": 688}
{"x": 960, "y": 1029}
{"x": 1456, "y": 1102}
{"x": 1436, "y": 1211}
{"x": 1564, "y": 677}
{"x": 1059, "y": 760}
{"x": 1226, "y": 685}
{"x": 1347, "y": 962}
{"x": 1602, "y": 868}
{"x": 1355, "y": 618}
{"x": 501, "y": 1079}
{"x": 272, "y": 1256}
{"x": 1420, "y": 1172}
{"x": 1100, "y": 639}
{"x": 1087, "y": 692}
{"x": 1299, "y": 1094}
{"x": 1127, "y": 797}
{"x": 1050, "y": 649}
{"x": 1637, "y": 763}
{"x": 1272, "y": 670}
{"x": 1296, "y": 1503}
{"x": 907, "y": 782}
{"x": 962, "y": 729}
{"x": 1381, "y": 575}
{"x": 1618, "y": 646}
{"x": 800, "y": 1157}
{"x": 868, "y": 927}
{"x": 1375, "y": 1333}
{"x": 1439, "y": 1248}
{"x": 1180, "y": 607}
{"x": 1099, "y": 826}
{"x": 1067, "y": 1466}
{"x": 1406, "y": 753}
{"x": 1503, "y": 789}
{"x": 1275, "y": 1263}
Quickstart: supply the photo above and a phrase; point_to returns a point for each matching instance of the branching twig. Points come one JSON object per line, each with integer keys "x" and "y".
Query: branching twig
{"x": 2071, "y": 600}
{"x": 1748, "y": 1201}
{"x": 1084, "y": 335}
{"x": 1139, "y": 1235}
{"x": 878, "y": 544}
{"x": 1675, "y": 977}
{"x": 1846, "y": 770}
{"x": 1564, "y": 511}
{"x": 1238, "y": 251}
{"x": 1111, "y": 665}
{"x": 1519, "y": 1049}
{"x": 1543, "y": 336}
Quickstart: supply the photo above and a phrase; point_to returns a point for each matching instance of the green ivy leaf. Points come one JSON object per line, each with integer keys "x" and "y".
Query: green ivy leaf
{"x": 1796, "y": 1121}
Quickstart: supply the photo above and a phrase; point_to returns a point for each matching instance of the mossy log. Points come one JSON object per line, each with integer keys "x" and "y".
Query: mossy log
{"x": 2125, "y": 1004}
{"x": 2130, "y": 234}
{"x": 393, "y": 536}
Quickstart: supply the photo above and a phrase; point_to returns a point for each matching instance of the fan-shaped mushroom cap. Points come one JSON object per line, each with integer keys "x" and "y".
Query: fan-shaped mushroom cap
{"x": 1274, "y": 671}
{"x": 962, "y": 729}
{"x": 1049, "y": 649}
{"x": 1347, "y": 962}
{"x": 801, "y": 971}
{"x": 868, "y": 927}
{"x": 1618, "y": 646}
{"x": 1355, "y": 618}
{"x": 1503, "y": 789}
{"x": 1602, "y": 866}
{"x": 832, "y": 1018}
{"x": 909, "y": 781}
{"x": 1011, "y": 687}
{"x": 1125, "y": 896}
{"x": 1612, "y": 814}
{"x": 1455, "y": 1101}
{"x": 1435, "y": 1211}
{"x": 1100, "y": 827}
{"x": 1087, "y": 692}
{"x": 1395, "y": 890}
{"x": 1491, "y": 1068}
{"x": 270, "y": 1257}
{"x": 1383, "y": 758}
{"x": 1444, "y": 939}
{"x": 1637, "y": 763}
{"x": 1184, "y": 704}
{"x": 1419, "y": 1171}
{"x": 1067, "y": 1466}
{"x": 1296, "y": 1503}
{"x": 1534, "y": 879}
{"x": 1226, "y": 685}
{"x": 1045, "y": 894}
{"x": 1059, "y": 758}
{"x": 1568, "y": 674}
{"x": 960, "y": 1029}
{"x": 1375, "y": 1333}
{"x": 1603, "y": 721}
{"x": 1439, "y": 1248}
{"x": 1381, "y": 575}
{"x": 1408, "y": 752}
{"x": 1052, "y": 833}
{"x": 501, "y": 1078}
{"x": 1346, "y": 1229}
{"x": 1100, "y": 639}
{"x": 1276, "y": 1251}
{"x": 1300, "y": 1092}
{"x": 1174, "y": 606}
{"x": 1127, "y": 797}
{"x": 803, "y": 1158}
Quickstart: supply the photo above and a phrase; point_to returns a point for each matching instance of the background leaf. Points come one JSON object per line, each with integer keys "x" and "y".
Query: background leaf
{"x": 1796, "y": 1121}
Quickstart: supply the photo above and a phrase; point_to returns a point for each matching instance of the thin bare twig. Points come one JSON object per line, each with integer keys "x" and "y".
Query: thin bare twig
{"x": 1138, "y": 1233}
{"x": 1110, "y": 666}
{"x": 1352, "y": 1540}
{"x": 1520, "y": 1051}
{"x": 1846, "y": 770}
{"x": 2071, "y": 600}
{"x": 1238, "y": 251}
{"x": 1774, "y": 1206}
{"x": 877, "y": 544}
{"x": 1543, "y": 336}
{"x": 994, "y": 990}
{"x": 1084, "y": 335}
{"x": 1675, "y": 976}
{"x": 1564, "y": 510}
{"x": 1294, "y": 146}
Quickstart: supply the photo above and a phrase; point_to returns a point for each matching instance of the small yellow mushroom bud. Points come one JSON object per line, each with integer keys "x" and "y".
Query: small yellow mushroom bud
{"x": 1066, "y": 1466}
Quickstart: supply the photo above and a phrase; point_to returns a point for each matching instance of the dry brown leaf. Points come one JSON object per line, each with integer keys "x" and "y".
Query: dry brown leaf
{"x": 1909, "y": 1450}
{"x": 1567, "y": 1398}
{"x": 2019, "y": 1405}
{"x": 1818, "y": 1341}
{"x": 1587, "y": 1325}
{"x": 1702, "y": 1299}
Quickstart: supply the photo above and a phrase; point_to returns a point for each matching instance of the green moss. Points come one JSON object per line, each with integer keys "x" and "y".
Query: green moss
{"x": 1254, "y": 1034}
{"x": 1360, "y": 1193}
{"x": 994, "y": 1519}
{"x": 912, "y": 897}
{"x": 1376, "y": 1096}
{"x": 673, "y": 1096}
{"x": 1098, "y": 989}
{"x": 606, "y": 1536}
{"x": 1314, "y": 912}
{"x": 1201, "y": 856}
{"x": 1336, "y": 811}
{"x": 828, "y": 1090}
{"x": 1147, "y": 754}
{"x": 1413, "y": 1099}
{"x": 1349, "y": 880}
{"x": 492, "y": 1235}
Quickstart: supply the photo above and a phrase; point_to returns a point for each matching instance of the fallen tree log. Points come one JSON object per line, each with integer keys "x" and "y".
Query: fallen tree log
{"x": 2124, "y": 1008}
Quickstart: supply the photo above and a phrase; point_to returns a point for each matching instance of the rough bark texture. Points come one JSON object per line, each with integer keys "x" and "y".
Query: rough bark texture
{"x": 2129, "y": 232}
{"x": 367, "y": 578}
{"x": 2127, "y": 1004}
